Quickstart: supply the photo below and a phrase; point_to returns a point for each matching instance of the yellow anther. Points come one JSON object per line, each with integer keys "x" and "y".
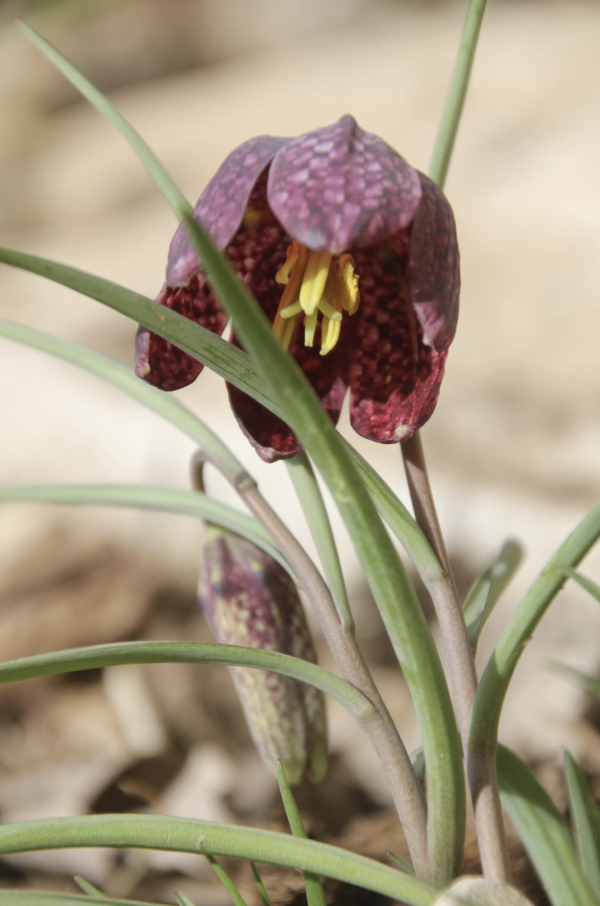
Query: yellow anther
{"x": 288, "y": 332}
{"x": 329, "y": 311}
{"x": 291, "y": 310}
{"x": 315, "y": 277}
{"x": 348, "y": 283}
{"x": 330, "y": 334}
{"x": 290, "y": 294}
{"x": 310, "y": 324}
{"x": 295, "y": 253}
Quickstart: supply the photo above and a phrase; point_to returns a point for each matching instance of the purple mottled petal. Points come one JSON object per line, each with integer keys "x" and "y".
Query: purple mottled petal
{"x": 394, "y": 376}
{"x": 221, "y": 206}
{"x": 340, "y": 187}
{"x": 433, "y": 270}
{"x": 265, "y": 247}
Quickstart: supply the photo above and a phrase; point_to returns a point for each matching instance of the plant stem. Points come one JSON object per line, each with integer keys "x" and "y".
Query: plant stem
{"x": 461, "y": 667}
{"x": 383, "y": 734}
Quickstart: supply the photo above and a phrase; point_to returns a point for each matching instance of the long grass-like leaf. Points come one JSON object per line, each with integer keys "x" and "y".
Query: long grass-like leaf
{"x": 208, "y": 838}
{"x": 543, "y": 832}
{"x": 89, "y": 889}
{"x": 488, "y": 589}
{"x": 158, "y": 173}
{"x": 227, "y": 883}
{"x": 226, "y": 360}
{"x": 262, "y": 891}
{"x": 591, "y": 587}
{"x": 96, "y": 656}
{"x": 313, "y": 505}
{"x": 585, "y": 818}
{"x": 393, "y": 593}
{"x": 148, "y": 497}
{"x": 585, "y": 681}
{"x": 124, "y": 379}
{"x": 43, "y": 898}
{"x": 314, "y": 888}
{"x": 505, "y": 657}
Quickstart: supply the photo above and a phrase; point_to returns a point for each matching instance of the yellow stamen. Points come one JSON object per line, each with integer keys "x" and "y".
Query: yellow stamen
{"x": 330, "y": 334}
{"x": 294, "y": 254}
{"x": 315, "y": 283}
{"x": 315, "y": 277}
{"x": 310, "y": 324}
{"x": 348, "y": 283}
{"x": 288, "y": 332}
{"x": 291, "y": 310}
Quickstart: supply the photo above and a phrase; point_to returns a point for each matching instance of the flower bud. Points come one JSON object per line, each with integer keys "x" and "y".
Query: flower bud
{"x": 250, "y": 600}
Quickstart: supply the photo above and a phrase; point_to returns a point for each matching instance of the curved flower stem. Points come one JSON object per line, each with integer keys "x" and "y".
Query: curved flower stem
{"x": 461, "y": 667}
{"x": 380, "y": 728}
{"x": 480, "y": 763}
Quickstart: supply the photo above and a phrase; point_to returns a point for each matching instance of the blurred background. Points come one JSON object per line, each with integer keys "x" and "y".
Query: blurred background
{"x": 513, "y": 448}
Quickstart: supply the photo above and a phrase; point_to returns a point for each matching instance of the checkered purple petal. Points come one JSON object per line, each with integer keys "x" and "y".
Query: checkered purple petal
{"x": 433, "y": 270}
{"x": 221, "y": 206}
{"x": 339, "y": 188}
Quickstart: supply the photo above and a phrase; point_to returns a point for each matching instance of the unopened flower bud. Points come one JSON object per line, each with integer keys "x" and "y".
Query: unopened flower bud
{"x": 249, "y": 600}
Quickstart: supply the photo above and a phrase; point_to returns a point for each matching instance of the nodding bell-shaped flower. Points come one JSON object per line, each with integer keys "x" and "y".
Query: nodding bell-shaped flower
{"x": 249, "y": 599}
{"x": 351, "y": 253}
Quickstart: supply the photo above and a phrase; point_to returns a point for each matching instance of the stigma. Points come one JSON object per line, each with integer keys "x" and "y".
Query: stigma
{"x": 316, "y": 283}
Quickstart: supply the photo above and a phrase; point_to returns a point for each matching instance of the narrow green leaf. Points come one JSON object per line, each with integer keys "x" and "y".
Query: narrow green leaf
{"x": 124, "y": 379}
{"x": 543, "y": 832}
{"x": 488, "y": 589}
{"x": 310, "y": 497}
{"x": 96, "y": 656}
{"x": 315, "y": 895}
{"x": 404, "y": 865}
{"x": 208, "y": 838}
{"x": 587, "y": 584}
{"x": 446, "y": 136}
{"x": 417, "y": 759}
{"x": 182, "y": 899}
{"x": 43, "y": 898}
{"x": 226, "y": 360}
{"x": 393, "y": 593}
{"x": 262, "y": 890}
{"x": 585, "y": 681}
{"x": 585, "y": 819}
{"x": 496, "y": 677}
{"x": 149, "y": 497}
{"x": 88, "y": 888}
{"x": 226, "y": 882}
{"x": 162, "y": 179}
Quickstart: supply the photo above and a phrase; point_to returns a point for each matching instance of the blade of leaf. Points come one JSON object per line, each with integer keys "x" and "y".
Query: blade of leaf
{"x": 404, "y": 865}
{"x": 226, "y": 360}
{"x": 587, "y": 584}
{"x": 262, "y": 890}
{"x": 507, "y": 653}
{"x": 210, "y": 838}
{"x": 96, "y": 656}
{"x": 162, "y": 179}
{"x": 120, "y": 376}
{"x": 585, "y": 681}
{"x": 487, "y": 590}
{"x": 313, "y": 506}
{"x": 88, "y": 888}
{"x": 312, "y": 883}
{"x": 543, "y": 832}
{"x": 226, "y": 882}
{"x": 585, "y": 819}
{"x": 393, "y": 593}
{"x": 182, "y": 899}
{"x": 45, "y": 898}
{"x": 168, "y": 500}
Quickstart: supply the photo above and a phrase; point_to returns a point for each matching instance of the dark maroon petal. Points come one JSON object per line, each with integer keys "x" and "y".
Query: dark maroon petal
{"x": 221, "y": 206}
{"x": 157, "y": 360}
{"x": 340, "y": 187}
{"x": 433, "y": 270}
{"x": 394, "y": 376}
{"x": 272, "y": 439}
